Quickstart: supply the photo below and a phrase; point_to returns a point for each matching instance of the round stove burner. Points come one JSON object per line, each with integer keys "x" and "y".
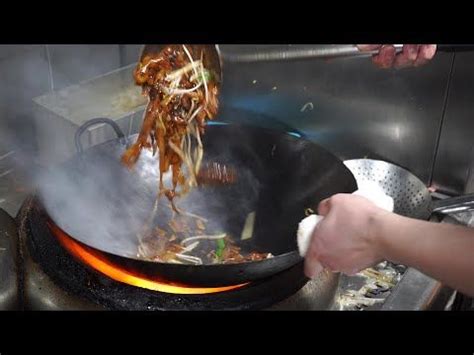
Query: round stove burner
{"x": 83, "y": 282}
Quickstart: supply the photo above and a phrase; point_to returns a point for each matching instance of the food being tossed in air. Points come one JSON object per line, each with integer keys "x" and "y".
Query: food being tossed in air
{"x": 182, "y": 95}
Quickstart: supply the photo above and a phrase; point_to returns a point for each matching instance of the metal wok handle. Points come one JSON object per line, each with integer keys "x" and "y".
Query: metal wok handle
{"x": 333, "y": 51}
{"x": 278, "y": 54}
{"x": 93, "y": 122}
{"x": 458, "y": 204}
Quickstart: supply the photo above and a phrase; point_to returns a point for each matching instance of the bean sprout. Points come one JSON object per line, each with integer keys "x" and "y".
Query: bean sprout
{"x": 181, "y": 91}
{"x": 190, "y": 258}
{"x": 204, "y": 80}
{"x": 208, "y": 237}
{"x": 190, "y": 247}
{"x": 178, "y": 73}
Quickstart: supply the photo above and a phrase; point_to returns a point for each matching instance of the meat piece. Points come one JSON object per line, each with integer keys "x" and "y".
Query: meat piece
{"x": 216, "y": 174}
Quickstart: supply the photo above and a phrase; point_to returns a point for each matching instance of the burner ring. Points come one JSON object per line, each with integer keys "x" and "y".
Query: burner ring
{"x": 98, "y": 289}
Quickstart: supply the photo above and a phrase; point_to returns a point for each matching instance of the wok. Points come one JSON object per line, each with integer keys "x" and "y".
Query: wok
{"x": 101, "y": 204}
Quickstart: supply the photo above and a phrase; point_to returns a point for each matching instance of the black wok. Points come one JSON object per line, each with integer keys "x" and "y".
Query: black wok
{"x": 99, "y": 203}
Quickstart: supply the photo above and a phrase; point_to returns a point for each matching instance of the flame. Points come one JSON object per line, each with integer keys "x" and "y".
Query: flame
{"x": 101, "y": 264}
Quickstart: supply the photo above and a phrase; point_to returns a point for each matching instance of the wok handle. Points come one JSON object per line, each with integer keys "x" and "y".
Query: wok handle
{"x": 457, "y": 204}
{"x": 338, "y": 51}
{"x": 93, "y": 122}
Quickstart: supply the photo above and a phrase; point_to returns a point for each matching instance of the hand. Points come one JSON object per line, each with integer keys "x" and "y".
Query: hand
{"x": 344, "y": 240}
{"x": 412, "y": 54}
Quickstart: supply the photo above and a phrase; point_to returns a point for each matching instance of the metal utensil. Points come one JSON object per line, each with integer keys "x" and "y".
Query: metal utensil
{"x": 452, "y": 205}
{"x": 321, "y": 52}
{"x": 214, "y": 57}
{"x": 211, "y": 55}
{"x": 411, "y": 197}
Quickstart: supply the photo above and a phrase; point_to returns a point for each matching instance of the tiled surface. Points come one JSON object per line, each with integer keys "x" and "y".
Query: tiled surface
{"x": 28, "y": 71}
{"x": 11, "y": 195}
{"x": 23, "y": 75}
{"x": 71, "y": 64}
{"x": 129, "y": 53}
{"x": 12, "y": 210}
{"x": 6, "y": 160}
{"x": 9, "y": 50}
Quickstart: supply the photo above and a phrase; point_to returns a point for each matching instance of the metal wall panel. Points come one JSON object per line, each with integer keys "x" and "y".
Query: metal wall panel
{"x": 356, "y": 109}
{"x": 455, "y": 156}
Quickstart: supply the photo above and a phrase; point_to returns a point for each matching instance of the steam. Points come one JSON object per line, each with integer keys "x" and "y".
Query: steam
{"x": 27, "y": 72}
{"x": 101, "y": 203}
{"x": 17, "y": 157}
{"x": 97, "y": 201}
{"x": 104, "y": 205}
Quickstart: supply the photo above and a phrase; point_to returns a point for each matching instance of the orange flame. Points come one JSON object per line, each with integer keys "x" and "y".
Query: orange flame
{"x": 101, "y": 264}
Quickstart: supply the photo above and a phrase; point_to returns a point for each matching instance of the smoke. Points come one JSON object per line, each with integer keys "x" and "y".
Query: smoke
{"x": 103, "y": 204}
{"x": 28, "y": 71}
{"x": 97, "y": 200}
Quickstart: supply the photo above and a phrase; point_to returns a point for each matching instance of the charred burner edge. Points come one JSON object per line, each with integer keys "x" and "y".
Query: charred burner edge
{"x": 99, "y": 285}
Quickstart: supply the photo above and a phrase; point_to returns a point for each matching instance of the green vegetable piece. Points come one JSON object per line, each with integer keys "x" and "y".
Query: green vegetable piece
{"x": 220, "y": 245}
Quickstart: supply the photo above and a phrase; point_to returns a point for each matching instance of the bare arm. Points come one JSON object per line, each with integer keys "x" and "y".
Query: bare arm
{"x": 445, "y": 252}
{"x": 355, "y": 234}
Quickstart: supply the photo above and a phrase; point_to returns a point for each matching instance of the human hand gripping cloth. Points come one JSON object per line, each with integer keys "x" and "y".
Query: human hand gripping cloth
{"x": 367, "y": 189}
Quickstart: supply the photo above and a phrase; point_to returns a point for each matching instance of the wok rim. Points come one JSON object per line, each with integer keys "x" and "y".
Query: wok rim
{"x": 291, "y": 135}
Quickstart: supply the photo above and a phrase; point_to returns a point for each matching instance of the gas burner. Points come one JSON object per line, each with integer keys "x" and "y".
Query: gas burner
{"x": 43, "y": 251}
{"x": 47, "y": 277}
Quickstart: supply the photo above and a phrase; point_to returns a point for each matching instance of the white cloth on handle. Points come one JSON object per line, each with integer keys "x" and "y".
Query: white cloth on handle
{"x": 370, "y": 190}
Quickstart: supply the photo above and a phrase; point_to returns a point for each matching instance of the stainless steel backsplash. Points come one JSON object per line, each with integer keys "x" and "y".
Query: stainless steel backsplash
{"x": 352, "y": 108}
{"x": 419, "y": 118}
